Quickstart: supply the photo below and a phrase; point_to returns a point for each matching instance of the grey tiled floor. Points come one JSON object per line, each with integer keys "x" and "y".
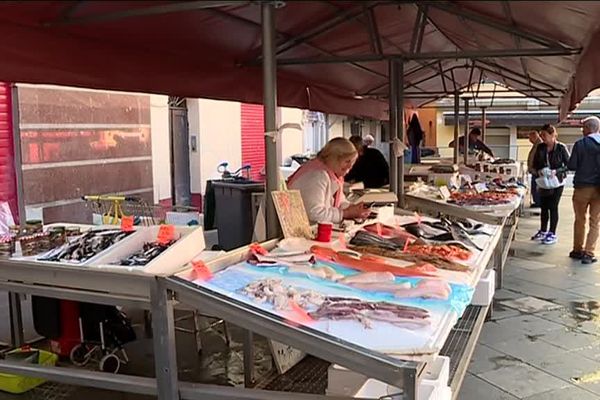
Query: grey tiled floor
{"x": 541, "y": 355}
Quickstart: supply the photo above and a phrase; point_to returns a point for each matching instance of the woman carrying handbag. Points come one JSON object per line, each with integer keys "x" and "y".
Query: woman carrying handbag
{"x": 550, "y": 166}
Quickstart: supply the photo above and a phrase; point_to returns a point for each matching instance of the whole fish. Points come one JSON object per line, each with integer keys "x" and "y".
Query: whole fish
{"x": 433, "y": 259}
{"x": 462, "y": 236}
{"x": 364, "y": 238}
{"x": 366, "y": 263}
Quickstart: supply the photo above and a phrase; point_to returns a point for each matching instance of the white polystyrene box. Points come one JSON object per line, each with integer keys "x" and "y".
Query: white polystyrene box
{"x": 437, "y": 372}
{"x": 343, "y": 382}
{"x": 444, "y": 393}
{"x": 385, "y": 213}
{"x": 374, "y": 389}
{"x": 172, "y": 260}
{"x": 84, "y": 229}
{"x": 485, "y": 289}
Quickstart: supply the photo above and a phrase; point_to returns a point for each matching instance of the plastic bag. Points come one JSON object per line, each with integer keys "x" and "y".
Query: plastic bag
{"x": 548, "y": 180}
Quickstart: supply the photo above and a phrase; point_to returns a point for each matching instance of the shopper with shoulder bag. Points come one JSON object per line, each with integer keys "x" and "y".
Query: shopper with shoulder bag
{"x": 550, "y": 166}
{"x": 585, "y": 161}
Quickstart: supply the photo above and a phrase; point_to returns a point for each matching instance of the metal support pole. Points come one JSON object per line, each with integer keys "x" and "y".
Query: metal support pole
{"x": 483, "y": 123}
{"x": 456, "y": 126}
{"x": 18, "y": 160}
{"x": 394, "y": 123}
{"x": 16, "y": 320}
{"x": 14, "y": 300}
{"x": 248, "y": 359}
{"x": 466, "y": 159}
{"x": 163, "y": 333}
{"x": 400, "y": 132}
{"x": 270, "y": 114}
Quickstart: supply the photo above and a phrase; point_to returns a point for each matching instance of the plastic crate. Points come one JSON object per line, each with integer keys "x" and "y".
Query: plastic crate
{"x": 20, "y": 384}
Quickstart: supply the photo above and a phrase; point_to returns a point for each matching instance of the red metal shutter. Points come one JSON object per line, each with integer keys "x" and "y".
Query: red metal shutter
{"x": 8, "y": 186}
{"x": 253, "y": 144}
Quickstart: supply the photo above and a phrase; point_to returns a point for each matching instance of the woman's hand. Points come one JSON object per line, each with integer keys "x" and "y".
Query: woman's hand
{"x": 356, "y": 211}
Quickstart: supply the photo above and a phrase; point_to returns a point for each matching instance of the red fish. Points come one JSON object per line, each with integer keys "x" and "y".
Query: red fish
{"x": 368, "y": 263}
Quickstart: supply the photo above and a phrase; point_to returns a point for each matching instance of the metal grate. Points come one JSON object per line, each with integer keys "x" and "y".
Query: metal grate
{"x": 50, "y": 391}
{"x": 459, "y": 345}
{"x": 308, "y": 376}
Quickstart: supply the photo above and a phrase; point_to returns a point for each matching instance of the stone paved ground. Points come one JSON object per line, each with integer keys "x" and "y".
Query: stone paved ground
{"x": 546, "y": 344}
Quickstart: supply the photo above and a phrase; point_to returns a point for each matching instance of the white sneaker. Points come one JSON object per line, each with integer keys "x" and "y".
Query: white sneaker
{"x": 550, "y": 238}
{"x": 539, "y": 236}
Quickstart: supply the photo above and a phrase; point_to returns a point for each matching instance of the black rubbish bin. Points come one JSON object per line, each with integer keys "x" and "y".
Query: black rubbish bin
{"x": 233, "y": 200}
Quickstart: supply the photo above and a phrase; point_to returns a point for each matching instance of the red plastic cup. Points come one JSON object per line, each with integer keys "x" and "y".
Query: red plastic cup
{"x": 324, "y": 231}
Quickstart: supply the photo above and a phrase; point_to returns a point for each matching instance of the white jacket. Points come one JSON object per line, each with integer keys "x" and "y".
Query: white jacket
{"x": 318, "y": 190}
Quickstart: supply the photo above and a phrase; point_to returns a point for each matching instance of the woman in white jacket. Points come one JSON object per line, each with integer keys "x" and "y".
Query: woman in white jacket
{"x": 321, "y": 183}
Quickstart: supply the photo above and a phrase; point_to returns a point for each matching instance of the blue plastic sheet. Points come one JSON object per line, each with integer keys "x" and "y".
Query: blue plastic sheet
{"x": 237, "y": 277}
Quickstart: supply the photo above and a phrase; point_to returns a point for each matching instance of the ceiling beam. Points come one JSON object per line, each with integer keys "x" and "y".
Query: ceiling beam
{"x": 406, "y": 75}
{"x": 224, "y": 14}
{"x": 513, "y": 72}
{"x": 386, "y": 40}
{"x": 419, "y": 22}
{"x": 442, "y": 55}
{"x": 492, "y": 23}
{"x": 373, "y": 29}
{"x": 145, "y": 11}
{"x": 503, "y": 71}
{"x": 331, "y": 23}
{"x": 521, "y": 82}
{"x": 517, "y": 39}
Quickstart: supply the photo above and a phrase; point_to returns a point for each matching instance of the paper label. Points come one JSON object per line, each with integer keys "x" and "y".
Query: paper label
{"x": 201, "y": 270}
{"x": 444, "y": 192}
{"x": 166, "y": 233}
{"x": 480, "y": 187}
{"x": 127, "y": 223}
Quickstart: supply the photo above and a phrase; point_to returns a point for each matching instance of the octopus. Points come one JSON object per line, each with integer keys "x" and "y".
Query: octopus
{"x": 282, "y": 297}
{"x": 365, "y": 312}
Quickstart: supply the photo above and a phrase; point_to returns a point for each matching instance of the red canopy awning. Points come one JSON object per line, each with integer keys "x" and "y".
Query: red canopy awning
{"x": 333, "y": 54}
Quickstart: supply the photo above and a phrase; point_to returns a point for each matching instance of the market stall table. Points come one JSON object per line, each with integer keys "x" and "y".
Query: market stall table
{"x": 193, "y": 290}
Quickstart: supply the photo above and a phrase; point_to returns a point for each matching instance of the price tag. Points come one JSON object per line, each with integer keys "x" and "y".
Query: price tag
{"x": 166, "y": 233}
{"x": 127, "y": 223}
{"x": 444, "y": 192}
{"x": 480, "y": 187}
{"x": 201, "y": 270}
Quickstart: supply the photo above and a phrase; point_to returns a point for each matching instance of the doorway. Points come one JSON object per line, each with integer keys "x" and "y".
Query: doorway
{"x": 180, "y": 152}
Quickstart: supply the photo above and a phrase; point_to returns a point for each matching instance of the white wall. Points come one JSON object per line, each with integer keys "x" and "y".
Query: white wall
{"x": 336, "y": 125}
{"x": 219, "y": 139}
{"x": 161, "y": 158}
{"x": 292, "y": 140}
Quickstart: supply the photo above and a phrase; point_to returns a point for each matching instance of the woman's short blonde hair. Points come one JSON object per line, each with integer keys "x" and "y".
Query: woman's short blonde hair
{"x": 337, "y": 149}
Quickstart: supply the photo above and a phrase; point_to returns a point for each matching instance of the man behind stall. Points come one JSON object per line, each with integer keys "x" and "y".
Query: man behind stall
{"x": 475, "y": 143}
{"x": 370, "y": 168}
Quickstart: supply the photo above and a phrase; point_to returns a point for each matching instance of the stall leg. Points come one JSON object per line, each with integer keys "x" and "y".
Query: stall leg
{"x": 410, "y": 388}
{"x": 16, "y": 320}
{"x": 248, "y": 359}
{"x": 498, "y": 262}
{"x": 163, "y": 331}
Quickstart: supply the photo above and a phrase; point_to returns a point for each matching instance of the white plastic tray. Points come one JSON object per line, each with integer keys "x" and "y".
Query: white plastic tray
{"x": 189, "y": 245}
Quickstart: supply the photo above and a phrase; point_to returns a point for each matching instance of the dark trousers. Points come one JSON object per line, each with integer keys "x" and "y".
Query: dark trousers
{"x": 535, "y": 195}
{"x": 549, "y": 200}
